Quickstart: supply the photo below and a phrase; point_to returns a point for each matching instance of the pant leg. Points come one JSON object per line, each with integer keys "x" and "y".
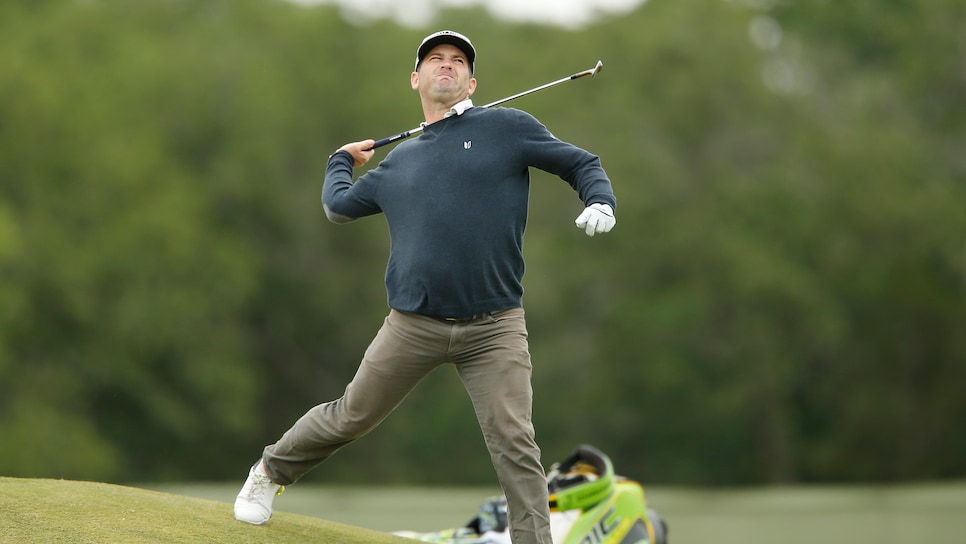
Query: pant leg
{"x": 495, "y": 369}
{"x": 402, "y": 353}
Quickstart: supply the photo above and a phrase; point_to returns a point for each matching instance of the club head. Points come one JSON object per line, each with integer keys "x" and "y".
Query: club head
{"x": 598, "y": 68}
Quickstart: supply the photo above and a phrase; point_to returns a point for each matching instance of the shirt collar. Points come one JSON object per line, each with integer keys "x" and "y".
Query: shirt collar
{"x": 458, "y": 109}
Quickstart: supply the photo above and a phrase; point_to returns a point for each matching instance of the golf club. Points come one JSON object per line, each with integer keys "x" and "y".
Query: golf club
{"x": 592, "y": 72}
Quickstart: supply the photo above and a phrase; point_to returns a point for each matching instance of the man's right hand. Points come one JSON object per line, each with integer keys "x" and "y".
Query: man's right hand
{"x": 361, "y": 151}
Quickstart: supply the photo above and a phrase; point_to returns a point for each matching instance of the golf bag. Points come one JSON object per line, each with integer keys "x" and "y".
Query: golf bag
{"x": 589, "y": 504}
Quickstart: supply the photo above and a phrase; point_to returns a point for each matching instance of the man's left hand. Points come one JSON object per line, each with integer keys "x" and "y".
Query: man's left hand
{"x": 596, "y": 218}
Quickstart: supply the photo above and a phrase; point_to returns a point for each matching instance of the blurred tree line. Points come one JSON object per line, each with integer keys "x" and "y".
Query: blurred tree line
{"x": 783, "y": 299}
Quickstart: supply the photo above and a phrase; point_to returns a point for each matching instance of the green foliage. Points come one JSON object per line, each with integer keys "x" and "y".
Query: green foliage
{"x": 783, "y": 298}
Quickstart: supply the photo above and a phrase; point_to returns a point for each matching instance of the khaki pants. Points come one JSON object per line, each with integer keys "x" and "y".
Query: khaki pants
{"x": 492, "y": 358}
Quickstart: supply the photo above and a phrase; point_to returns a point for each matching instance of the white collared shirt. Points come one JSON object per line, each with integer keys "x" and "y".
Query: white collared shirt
{"x": 457, "y": 109}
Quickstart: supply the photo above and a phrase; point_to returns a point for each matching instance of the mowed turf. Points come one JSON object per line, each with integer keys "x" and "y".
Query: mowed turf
{"x": 927, "y": 513}
{"x": 912, "y": 513}
{"x": 49, "y": 511}
{"x": 35, "y": 511}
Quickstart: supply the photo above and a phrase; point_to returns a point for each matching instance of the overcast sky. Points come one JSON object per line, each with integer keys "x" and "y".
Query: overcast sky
{"x": 417, "y": 13}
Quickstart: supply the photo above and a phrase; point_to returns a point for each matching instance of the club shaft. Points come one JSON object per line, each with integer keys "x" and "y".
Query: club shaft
{"x": 542, "y": 87}
{"x": 591, "y": 72}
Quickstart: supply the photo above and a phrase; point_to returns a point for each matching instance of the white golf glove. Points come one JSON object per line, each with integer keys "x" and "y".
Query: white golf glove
{"x": 596, "y": 218}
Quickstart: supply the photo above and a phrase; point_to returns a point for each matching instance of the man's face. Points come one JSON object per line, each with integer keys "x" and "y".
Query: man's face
{"x": 444, "y": 76}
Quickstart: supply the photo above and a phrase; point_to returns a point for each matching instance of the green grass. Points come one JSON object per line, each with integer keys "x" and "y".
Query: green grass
{"x": 49, "y": 511}
{"x": 933, "y": 513}
{"x": 383, "y": 509}
{"x": 902, "y": 514}
{"x": 35, "y": 511}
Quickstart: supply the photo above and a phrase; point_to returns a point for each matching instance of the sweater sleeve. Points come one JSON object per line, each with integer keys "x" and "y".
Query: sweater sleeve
{"x": 578, "y": 167}
{"x": 342, "y": 200}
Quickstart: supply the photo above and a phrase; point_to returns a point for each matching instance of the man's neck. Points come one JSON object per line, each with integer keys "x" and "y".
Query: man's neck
{"x": 433, "y": 114}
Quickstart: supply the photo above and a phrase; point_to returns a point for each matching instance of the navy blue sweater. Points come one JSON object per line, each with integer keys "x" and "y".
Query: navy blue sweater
{"x": 456, "y": 200}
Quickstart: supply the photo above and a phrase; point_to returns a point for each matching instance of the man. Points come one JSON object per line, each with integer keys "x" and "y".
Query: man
{"x": 455, "y": 200}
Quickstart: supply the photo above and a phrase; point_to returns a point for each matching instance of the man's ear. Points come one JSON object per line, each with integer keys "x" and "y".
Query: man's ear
{"x": 414, "y": 80}
{"x": 472, "y": 88}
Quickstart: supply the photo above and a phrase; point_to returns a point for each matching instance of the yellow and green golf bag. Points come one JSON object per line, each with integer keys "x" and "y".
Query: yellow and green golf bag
{"x": 589, "y": 504}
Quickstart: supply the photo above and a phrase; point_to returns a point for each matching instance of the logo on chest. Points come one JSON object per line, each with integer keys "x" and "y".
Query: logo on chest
{"x": 467, "y": 144}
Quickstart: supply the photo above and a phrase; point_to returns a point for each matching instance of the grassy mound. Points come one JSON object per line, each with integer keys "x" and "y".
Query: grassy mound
{"x": 45, "y": 511}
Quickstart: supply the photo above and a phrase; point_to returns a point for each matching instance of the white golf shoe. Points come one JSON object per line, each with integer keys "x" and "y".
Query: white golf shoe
{"x": 254, "y": 502}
